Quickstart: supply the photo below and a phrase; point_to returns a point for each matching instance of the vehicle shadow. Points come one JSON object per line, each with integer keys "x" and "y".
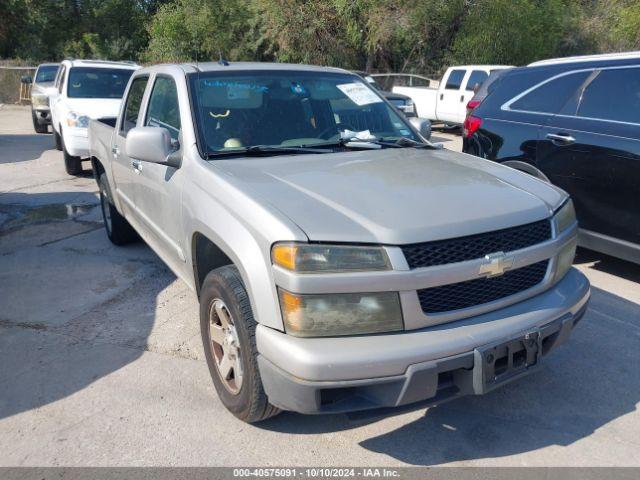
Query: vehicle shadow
{"x": 582, "y": 387}
{"x": 22, "y": 148}
{"x": 73, "y": 307}
{"x": 605, "y": 263}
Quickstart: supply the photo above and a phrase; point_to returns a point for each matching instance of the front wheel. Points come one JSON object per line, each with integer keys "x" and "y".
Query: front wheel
{"x": 36, "y": 126}
{"x": 57, "y": 139}
{"x": 228, "y": 334}
{"x": 72, "y": 164}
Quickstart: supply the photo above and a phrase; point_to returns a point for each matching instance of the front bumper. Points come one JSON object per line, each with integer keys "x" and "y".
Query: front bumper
{"x": 435, "y": 364}
{"x": 76, "y": 141}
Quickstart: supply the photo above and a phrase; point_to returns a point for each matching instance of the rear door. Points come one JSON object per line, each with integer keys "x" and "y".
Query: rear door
{"x": 471, "y": 85}
{"x": 592, "y": 150}
{"x": 122, "y": 167}
{"x": 449, "y": 96}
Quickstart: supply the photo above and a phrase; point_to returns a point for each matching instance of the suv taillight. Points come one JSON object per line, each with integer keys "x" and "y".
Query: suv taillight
{"x": 471, "y": 125}
{"x": 471, "y": 105}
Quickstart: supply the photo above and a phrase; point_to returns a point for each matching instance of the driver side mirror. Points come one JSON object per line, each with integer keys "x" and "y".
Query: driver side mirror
{"x": 26, "y": 79}
{"x": 154, "y": 145}
{"x": 423, "y": 126}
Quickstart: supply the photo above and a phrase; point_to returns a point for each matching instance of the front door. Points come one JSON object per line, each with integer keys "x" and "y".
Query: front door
{"x": 449, "y": 97}
{"x": 159, "y": 193}
{"x": 594, "y": 154}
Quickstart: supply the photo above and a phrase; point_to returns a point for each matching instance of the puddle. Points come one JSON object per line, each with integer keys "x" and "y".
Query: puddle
{"x": 14, "y": 216}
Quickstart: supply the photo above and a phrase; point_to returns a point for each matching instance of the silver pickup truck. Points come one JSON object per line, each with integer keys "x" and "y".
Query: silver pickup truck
{"x": 341, "y": 261}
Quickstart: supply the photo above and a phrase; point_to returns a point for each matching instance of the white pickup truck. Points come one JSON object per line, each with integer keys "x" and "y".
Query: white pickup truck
{"x": 448, "y": 102}
{"x": 341, "y": 261}
{"x": 84, "y": 89}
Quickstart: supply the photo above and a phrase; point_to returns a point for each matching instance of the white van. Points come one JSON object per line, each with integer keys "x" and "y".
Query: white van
{"x": 448, "y": 102}
{"x": 84, "y": 89}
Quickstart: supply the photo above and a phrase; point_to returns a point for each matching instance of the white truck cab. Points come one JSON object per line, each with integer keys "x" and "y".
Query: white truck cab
{"x": 447, "y": 103}
{"x": 84, "y": 89}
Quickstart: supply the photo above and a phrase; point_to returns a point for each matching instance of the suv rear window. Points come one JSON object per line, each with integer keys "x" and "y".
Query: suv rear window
{"x": 551, "y": 96}
{"x": 613, "y": 95}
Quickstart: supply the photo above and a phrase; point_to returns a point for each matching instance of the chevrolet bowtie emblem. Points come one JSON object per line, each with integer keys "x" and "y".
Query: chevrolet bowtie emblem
{"x": 495, "y": 264}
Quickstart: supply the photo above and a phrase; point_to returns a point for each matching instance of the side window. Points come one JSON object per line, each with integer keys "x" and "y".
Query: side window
{"x": 613, "y": 95}
{"x": 550, "y": 97}
{"x": 63, "y": 71}
{"x": 477, "y": 77}
{"x": 132, "y": 105}
{"x": 163, "y": 108}
{"x": 455, "y": 80}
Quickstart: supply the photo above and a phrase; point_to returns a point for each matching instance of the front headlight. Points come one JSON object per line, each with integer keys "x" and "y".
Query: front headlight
{"x": 38, "y": 100}
{"x": 77, "y": 121}
{"x": 316, "y": 258}
{"x": 340, "y": 314}
{"x": 565, "y": 216}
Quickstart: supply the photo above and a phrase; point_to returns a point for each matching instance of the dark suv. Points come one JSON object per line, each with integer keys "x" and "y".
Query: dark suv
{"x": 576, "y": 123}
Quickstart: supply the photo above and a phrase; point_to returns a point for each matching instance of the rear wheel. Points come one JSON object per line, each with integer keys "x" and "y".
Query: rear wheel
{"x": 72, "y": 164}
{"x": 36, "y": 126}
{"x": 228, "y": 334}
{"x": 119, "y": 231}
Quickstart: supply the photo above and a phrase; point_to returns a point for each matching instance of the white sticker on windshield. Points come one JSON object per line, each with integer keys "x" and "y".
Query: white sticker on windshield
{"x": 359, "y": 93}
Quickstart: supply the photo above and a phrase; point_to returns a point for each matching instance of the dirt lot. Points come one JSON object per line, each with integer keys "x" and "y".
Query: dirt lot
{"x": 101, "y": 362}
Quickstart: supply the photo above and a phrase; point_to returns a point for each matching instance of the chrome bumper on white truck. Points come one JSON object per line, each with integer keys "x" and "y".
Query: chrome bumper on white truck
{"x": 434, "y": 364}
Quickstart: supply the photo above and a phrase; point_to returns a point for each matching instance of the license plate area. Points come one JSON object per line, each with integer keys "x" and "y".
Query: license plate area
{"x": 503, "y": 362}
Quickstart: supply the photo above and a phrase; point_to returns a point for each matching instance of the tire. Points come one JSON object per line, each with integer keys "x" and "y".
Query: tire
{"x": 72, "y": 165}
{"x": 36, "y": 126}
{"x": 57, "y": 139}
{"x": 223, "y": 289}
{"x": 118, "y": 229}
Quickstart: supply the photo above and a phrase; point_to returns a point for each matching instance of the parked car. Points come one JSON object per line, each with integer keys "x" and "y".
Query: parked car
{"x": 341, "y": 262}
{"x": 482, "y": 90}
{"x": 40, "y": 89}
{"x": 448, "y": 102}
{"x": 84, "y": 89}
{"x": 404, "y": 103}
{"x": 574, "y": 122}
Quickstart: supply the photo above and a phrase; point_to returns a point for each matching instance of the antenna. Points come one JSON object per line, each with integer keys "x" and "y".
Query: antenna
{"x": 222, "y": 61}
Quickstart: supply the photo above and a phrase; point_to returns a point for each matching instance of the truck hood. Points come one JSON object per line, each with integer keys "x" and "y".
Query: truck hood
{"x": 95, "y": 107}
{"x": 393, "y": 196}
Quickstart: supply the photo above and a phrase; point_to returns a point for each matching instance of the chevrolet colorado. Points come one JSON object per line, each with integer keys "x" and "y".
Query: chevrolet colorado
{"x": 341, "y": 261}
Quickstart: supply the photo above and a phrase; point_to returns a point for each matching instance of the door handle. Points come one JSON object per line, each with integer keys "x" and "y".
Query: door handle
{"x": 441, "y": 96}
{"x": 461, "y": 98}
{"x": 137, "y": 165}
{"x": 115, "y": 150}
{"x": 560, "y": 139}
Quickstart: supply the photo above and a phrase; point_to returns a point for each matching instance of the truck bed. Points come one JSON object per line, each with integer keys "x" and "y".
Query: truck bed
{"x": 100, "y": 136}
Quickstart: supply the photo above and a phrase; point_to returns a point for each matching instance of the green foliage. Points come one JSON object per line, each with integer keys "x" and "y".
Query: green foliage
{"x": 503, "y": 31}
{"x": 373, "y": 35}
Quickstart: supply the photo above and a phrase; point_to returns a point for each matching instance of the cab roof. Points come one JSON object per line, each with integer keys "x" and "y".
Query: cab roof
{"x": 248, "y": 66}
{"x": 101, "y": 64}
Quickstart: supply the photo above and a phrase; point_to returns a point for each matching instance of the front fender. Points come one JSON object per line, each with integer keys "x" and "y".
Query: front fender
{"x": 244, "y": 229}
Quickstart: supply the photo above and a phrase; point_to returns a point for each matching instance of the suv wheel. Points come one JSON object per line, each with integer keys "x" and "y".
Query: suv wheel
{"x": 119, "y": 231}
{"x": 73, "y": 165}
{"x": 36, "y": 126}
{"x": 228, "y": 334}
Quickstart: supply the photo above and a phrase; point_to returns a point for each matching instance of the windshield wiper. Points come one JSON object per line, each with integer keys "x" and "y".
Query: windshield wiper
{"x": 260, "y": 150}
{"x": 407, "y": 142}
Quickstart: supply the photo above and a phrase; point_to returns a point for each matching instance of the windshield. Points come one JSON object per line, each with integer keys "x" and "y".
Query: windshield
{"x": 86, "y": 82}
{"x": 46, "y": 73}
{"x": 291, "y": 109}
